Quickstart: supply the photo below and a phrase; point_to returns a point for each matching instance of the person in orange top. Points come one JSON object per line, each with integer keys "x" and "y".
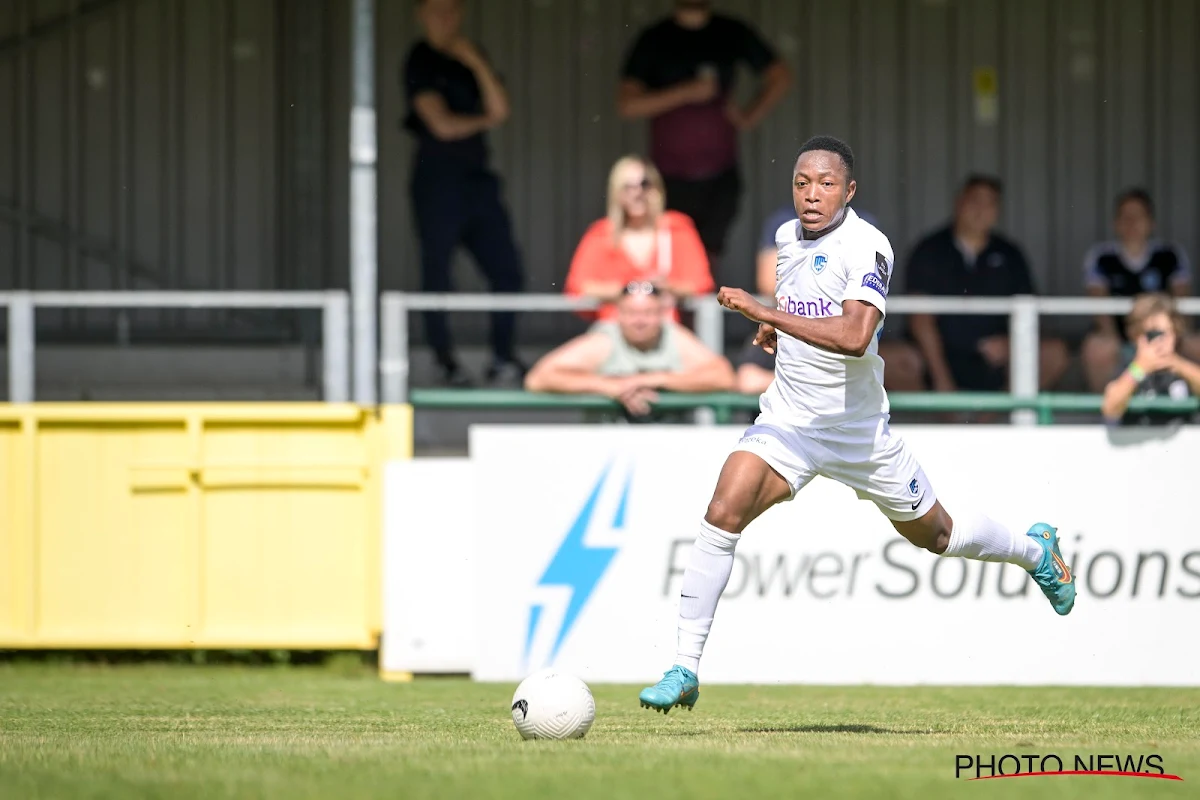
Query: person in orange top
{"x": 638, "y": 241}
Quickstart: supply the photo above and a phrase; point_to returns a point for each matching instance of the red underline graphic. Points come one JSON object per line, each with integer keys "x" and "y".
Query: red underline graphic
{"x": 1080, "y": 772}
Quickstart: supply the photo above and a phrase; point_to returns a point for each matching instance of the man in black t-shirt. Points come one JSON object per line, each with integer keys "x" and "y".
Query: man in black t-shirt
{"x": 968, "y": 258}
{"x": 680, "y": 74}
{"x": 453, "y": 98}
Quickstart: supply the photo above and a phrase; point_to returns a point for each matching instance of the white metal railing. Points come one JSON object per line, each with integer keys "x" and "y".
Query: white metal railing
{"x": 335, "y": 325}
{"x": 1024, "y": 313}
{"x": 396, "y": 307}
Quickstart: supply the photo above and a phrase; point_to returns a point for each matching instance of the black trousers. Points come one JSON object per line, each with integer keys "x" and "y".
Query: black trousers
{"x": 453, "y": 205}
{"x": 712, "y": 203}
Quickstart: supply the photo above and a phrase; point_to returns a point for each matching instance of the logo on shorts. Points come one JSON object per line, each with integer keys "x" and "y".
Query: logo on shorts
{"x": 913, "y": 487}
{"x": 759, "y": 440}
{"x": 819, "y": 263}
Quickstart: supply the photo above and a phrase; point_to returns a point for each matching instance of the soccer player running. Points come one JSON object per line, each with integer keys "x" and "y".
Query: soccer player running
{"x": 826, "y": 413}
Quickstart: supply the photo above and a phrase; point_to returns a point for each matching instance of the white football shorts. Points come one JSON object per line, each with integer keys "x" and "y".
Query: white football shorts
{"x": 863, "y": 455}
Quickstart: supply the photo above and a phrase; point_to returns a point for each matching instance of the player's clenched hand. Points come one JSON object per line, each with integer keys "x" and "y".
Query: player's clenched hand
{"x": 741, "y": 301}
{"x": 766, "y": 338}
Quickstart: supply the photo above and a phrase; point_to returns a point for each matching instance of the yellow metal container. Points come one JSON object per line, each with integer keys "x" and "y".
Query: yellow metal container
{"x": 193, "y": 525}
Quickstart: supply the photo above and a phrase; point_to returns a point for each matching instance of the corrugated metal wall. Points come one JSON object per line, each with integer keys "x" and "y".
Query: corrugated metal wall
{"x": 146, "y": 146}
{"x": 152, "y": 129}
{"x": 1093, "y": 96}
{"x": 202, "y": 143}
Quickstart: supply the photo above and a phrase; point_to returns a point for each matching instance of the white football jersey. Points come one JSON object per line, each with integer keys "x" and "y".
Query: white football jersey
{"x": 816, "y": 388}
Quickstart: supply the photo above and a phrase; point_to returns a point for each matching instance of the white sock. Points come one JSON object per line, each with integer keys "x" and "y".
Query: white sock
{"x": 983, "y": 539}
{"x": 707, "y": 572}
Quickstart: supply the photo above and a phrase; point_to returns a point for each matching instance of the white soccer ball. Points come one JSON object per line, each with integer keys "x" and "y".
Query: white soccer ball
{"x": 551, "y": 705}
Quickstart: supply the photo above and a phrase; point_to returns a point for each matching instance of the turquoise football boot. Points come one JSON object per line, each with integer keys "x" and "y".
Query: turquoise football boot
{"x": 1052, "y": 572}
{"x": 679, "y": 687}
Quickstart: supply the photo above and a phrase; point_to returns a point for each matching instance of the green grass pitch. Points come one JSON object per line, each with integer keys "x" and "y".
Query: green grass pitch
{"x": 260, "y": 732}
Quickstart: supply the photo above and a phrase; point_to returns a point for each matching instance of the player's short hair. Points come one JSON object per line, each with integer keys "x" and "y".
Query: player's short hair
{"x": 981, "y": 179}
{"x": 831, "y": 144}
{"x": 1136, "y": 195}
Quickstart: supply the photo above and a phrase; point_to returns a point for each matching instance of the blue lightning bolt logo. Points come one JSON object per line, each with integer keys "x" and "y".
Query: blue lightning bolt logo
{"x": 577, "y": 565}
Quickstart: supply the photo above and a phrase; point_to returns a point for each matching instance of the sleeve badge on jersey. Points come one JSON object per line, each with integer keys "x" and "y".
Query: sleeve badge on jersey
{"x": 873, "y": 281}
{"x": 881, "y": 266}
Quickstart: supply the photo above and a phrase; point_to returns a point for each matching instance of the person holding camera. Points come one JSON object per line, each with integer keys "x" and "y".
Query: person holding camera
{"x": 1155, "y": 369}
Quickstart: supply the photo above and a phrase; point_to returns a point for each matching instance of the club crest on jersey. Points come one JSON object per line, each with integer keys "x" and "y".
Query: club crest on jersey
{"x": 819, "y": 263}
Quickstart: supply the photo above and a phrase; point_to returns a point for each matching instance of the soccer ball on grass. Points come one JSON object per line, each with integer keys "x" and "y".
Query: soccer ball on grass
{"x": 551, "y": 705}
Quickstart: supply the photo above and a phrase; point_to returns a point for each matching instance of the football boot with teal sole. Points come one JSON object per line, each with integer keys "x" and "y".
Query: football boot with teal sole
{"x": 1052, "y": 573}
{"x": 679, "y": 687}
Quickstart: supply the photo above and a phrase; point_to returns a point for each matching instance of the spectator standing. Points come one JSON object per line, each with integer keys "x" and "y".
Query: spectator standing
{"x": 680, "y": 74}
{"x": 638, "y": 240}
{"x": 1154, "y": 368}
{"x": 632, "y": 357}
{"x": 1127, "y": 266}
{"x": 968, "y": 258}
{"x": 454, "y": 97}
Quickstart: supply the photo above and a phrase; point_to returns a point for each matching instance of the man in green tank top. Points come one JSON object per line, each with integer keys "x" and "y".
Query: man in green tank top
{"x": 633, "y": 357}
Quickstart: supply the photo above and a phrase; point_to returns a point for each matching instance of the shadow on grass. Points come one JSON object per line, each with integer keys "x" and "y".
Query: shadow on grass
{"x": 831, "y": 729}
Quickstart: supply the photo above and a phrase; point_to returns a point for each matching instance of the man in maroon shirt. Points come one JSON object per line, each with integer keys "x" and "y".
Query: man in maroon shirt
{"x": 680, "y": 75}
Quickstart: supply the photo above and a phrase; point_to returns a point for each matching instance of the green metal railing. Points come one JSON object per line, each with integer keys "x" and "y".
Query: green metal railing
{"x": 724, "y": 404}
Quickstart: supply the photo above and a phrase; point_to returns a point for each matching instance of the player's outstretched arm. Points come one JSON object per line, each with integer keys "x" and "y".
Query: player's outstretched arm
{"x": 850, "y": 334}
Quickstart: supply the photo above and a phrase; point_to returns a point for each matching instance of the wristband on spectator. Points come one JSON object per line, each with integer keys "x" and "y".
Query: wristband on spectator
{"x": 1136, "y": 372}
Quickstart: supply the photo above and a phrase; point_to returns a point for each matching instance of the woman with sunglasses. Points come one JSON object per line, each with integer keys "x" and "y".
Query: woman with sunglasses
{"x": 1156, "y": 369}
{"x": 638, "y": 240}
